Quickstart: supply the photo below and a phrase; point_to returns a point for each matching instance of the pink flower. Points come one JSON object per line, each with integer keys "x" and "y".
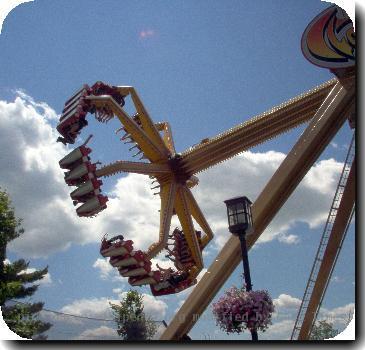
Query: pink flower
{"x": 238, "y": 310}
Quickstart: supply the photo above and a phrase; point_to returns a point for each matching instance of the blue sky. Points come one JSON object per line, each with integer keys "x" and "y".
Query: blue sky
{"x": 203, "y": 67}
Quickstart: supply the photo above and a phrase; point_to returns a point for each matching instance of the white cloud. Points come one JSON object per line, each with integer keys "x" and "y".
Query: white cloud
{"x": 41, "y": 107}
{"x": 100, "y": 308}
{"x": 107, "y": 333}
{"x": 106, "y": 270}
{"x": 154, "y": 308}
{"x": 139, "y": 219}
{"x": 340, "y": 315}
{"x": 288, "y": 239}
{"x": 104, "y": 267}
{"x": 279, "y": 330}
{"x": 94, "y": 307}
{"x": 285, "y": 301}
{"x": 100, "y": 333}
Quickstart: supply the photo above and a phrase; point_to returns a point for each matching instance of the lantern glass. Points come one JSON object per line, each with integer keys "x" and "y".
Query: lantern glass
{"x": 241, "y": 218}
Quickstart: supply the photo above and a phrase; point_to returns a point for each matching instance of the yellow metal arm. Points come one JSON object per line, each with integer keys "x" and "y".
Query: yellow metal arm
{"x": 199, "y": 217}
{"x": 167, "y": 135}
{"x": 255, "y": 131}
{"x": 146, "y": 121}
{"x": 184, "y": 215}
{"x": 149, "y": 148}
{"x": 153, "y": 169}
{"x": 168, "y": 195}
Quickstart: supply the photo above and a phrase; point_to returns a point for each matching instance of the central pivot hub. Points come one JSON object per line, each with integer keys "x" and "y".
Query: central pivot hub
{"x": 180, "y": 175}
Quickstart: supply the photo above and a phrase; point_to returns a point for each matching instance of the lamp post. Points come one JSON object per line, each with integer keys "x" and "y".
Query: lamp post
{"x": 240, "y": 224}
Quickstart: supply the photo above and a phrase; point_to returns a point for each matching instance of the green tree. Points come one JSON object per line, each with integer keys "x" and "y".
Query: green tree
{"x": 16, "y": 282}
{"x": 323, "y": 330}
{"x": 131, "y": 320}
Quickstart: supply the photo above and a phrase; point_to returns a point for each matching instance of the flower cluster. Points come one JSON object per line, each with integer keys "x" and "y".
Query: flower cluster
{"x": 239, "y": 309}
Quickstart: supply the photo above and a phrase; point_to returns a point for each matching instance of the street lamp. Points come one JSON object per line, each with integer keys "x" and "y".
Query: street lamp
{"x": 239, "y": 215}
{"x": 240, "y": 224}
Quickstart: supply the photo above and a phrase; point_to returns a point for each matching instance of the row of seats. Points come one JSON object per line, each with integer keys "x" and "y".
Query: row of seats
{"x": 136, "y": 265}
{"x": 81, "y": 173}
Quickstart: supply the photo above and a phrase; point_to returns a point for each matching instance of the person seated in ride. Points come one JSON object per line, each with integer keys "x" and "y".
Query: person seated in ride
{"x": 171, "y": 278}
{"x": 107, "y": 243}
{"x": 76, "y": 127}
{"x": 165, "y": 274}
{"x": 62, "y": 139}
{"x": 178, "y": 277}
{"x": 175, "y": 260}
{"x": 111, "y": 240}
{"x": 73, "y": 132}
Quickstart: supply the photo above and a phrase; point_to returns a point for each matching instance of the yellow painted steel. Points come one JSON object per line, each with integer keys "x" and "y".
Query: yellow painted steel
{"x": 168, "y": 139}
{"x": 182, "y": 211}
{"x": 256, "y": 130}
{"x": 147, "y": 123}
{"x": 168, "y": 195}
{"x": 153, "y": 169}
{"x": 167, "y": 135}
{"x": 199, "y": 217}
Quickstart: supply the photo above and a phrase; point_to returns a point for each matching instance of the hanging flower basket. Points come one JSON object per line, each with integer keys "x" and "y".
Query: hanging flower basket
{"x": 238, "y": 310}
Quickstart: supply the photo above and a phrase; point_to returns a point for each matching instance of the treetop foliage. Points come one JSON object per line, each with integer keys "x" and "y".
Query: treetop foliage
{"x": 323, "y": 330}
{"x": 16, "y": 279}
{"x": 130, "y": 318}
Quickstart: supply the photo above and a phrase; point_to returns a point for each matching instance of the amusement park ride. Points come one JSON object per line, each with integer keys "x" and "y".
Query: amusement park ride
{"x": 329, "y": 42}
